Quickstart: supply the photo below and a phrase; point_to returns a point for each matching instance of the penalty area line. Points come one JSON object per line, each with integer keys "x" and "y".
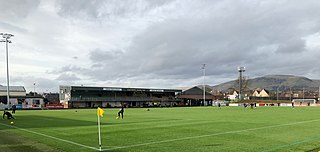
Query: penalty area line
{"x": 208, "y": 135}
{"x": 48, "y": 136}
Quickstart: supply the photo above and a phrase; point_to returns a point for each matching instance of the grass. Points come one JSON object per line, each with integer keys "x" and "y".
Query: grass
{"x": 165, "y": 129}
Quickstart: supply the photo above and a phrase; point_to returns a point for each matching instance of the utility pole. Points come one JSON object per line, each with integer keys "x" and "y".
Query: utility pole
{"x": 277, "y": 93}
{"x": 290, "y": 93}
{"x": 303, "y": 94}
{"x": 204, "y": 86}
{"x": 319, "y": 94}
{"x": 5, "y": 39}
{"x": 241, "y": 70}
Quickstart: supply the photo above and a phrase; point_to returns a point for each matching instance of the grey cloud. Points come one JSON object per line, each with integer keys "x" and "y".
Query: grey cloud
{"x": 108, "y": 9}
{"x": 167, "y": 41}
{"x": 294, "y": 45}
{"x": 79, "y": 8}
{"x": 176, "y": 47}
{"x": 70, "y": 74}
{"x": 12, "y": 27}
{"x": 41, "y": 84}
{"x": 66, "y": 77}
{"x": 99, "y": 55}
{"x": 68, "y": 68}
{"x": 17, "y": 8}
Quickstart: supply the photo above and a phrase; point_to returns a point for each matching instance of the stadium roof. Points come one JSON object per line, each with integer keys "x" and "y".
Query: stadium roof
{"x": 121, "y": 89}
{"x": 12, "y": 88}
{"x": 195, "y": 91}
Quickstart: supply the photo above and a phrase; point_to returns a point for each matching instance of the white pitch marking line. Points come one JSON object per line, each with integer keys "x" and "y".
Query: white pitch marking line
{"x": 209, "y": 135}
{"x": 71, "y": 142}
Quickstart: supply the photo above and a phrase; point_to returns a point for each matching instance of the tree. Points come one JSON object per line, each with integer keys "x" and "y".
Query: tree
{"x": 244, "y": 86}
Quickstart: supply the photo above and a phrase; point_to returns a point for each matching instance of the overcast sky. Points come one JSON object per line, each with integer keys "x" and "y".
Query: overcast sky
{"x": 156, "y": 43}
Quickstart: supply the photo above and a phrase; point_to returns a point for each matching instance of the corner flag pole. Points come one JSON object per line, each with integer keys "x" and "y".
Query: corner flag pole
{"x": 100, "y": 114}
{"x": 99, "y": 133}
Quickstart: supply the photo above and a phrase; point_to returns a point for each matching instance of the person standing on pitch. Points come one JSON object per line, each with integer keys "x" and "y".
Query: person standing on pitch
{"x": 251, "y": 104}
{"x": 246, "y": 105}
{"x": 121, "y": 111}
{"x": 14, "y": 107}
{"x": 292, "y": 104}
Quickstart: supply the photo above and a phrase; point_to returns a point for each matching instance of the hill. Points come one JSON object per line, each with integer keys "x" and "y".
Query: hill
{"x": 271, "y": 82}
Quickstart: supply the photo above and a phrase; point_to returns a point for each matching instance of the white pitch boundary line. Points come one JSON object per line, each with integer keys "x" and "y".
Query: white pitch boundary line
{"x": 41, "y": 134}
{"x": 208, "y": 135}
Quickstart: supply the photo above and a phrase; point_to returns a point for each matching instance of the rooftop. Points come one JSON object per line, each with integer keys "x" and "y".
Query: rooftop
{"x": 12, "y": 88}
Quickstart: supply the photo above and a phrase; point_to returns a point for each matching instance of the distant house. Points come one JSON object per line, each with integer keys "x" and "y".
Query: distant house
{"x": 52, "y": 98}
{"x": 233, "y": 96}
{"x": 260, "y": 93}
{"x": 296, "y": 95}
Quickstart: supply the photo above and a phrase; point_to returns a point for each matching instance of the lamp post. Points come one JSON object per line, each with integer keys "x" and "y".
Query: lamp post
{"x": 241, "y": 70}
{"x": 5, "y": 39}
{"x": 204, "y": 87}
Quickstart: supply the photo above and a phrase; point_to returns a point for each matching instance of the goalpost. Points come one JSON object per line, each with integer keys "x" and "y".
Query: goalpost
{"x": 304, "y": 101}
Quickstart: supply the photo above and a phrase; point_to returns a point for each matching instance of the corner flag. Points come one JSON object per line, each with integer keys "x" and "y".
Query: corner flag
{"x": 100, "y": 112}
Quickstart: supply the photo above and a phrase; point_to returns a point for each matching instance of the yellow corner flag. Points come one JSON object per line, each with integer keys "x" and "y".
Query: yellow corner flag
{"x": 100, "y": 112}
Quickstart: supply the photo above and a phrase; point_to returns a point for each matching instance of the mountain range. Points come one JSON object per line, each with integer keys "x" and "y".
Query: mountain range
{"x": 272, "y": 82}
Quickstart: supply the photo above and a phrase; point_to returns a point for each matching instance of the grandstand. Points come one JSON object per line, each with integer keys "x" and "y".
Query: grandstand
{"x": 89, "y": 97}
{"x": 16, "y": 93}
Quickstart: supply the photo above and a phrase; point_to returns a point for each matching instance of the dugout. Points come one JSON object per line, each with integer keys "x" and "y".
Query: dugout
{"x": 92, "y": 97}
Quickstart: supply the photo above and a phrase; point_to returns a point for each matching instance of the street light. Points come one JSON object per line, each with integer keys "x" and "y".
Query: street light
{"x": 241, "y": 70}
{"x": 204, "y": 87}
{"x": 6, "y": 38}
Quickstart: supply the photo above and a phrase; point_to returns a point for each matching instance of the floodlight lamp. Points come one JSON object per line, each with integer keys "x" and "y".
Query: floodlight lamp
{"x": 241, "y": 69}
{"x": 203, "y": 66}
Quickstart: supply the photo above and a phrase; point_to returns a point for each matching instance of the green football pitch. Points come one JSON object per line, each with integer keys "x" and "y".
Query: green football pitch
{"x": 165, "y": 129}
